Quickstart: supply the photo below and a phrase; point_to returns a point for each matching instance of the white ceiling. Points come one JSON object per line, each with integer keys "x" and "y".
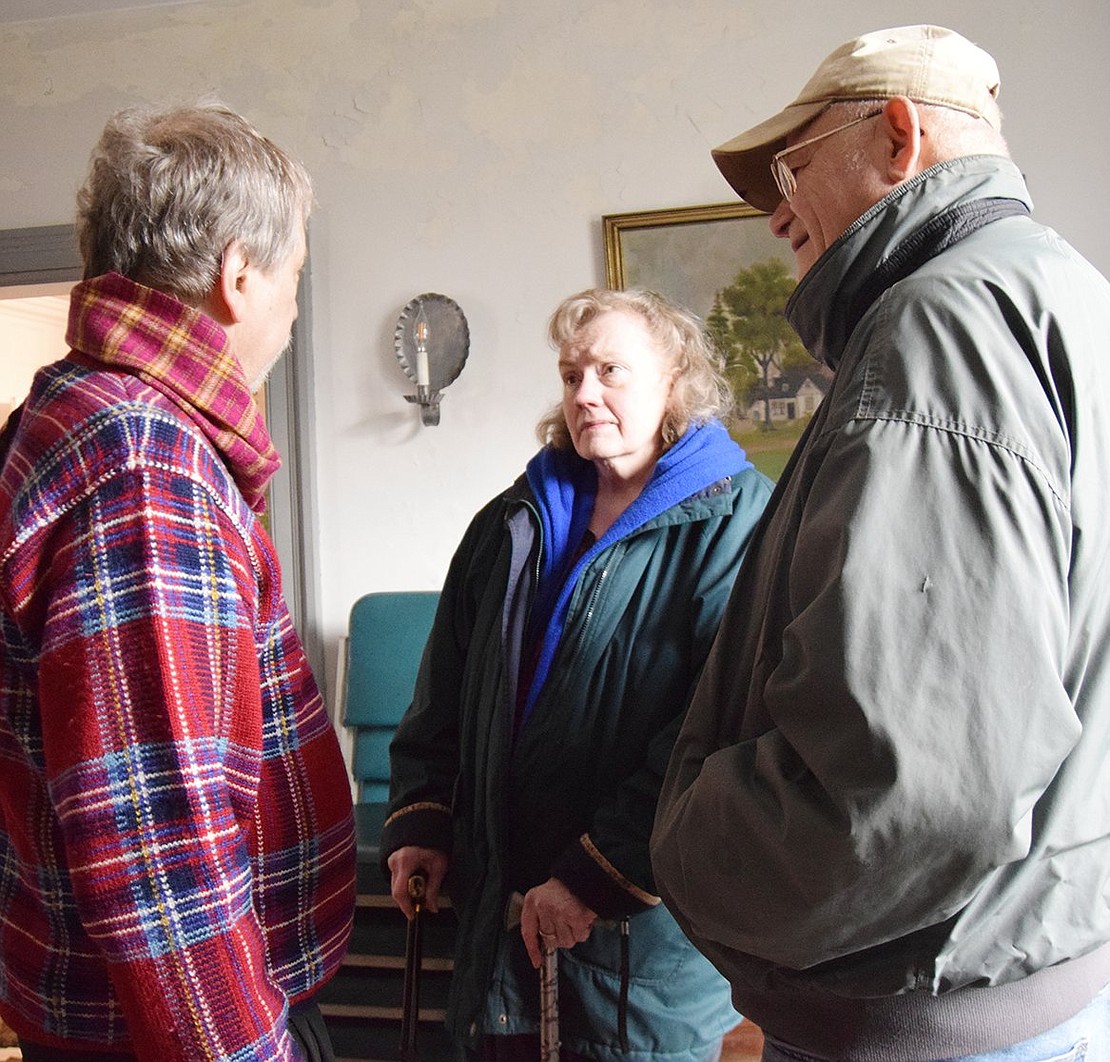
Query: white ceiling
{"x": 24, "y": 10}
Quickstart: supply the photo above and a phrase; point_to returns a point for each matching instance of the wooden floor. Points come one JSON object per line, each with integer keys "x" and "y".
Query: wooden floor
{"x": 743, "y": 1044}
{"x": 9, "y": 1049}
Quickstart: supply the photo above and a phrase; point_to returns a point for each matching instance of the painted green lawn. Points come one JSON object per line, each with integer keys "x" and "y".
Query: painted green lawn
{"x": 770, "y": 450}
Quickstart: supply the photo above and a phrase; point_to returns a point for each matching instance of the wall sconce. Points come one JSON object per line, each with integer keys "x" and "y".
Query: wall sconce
{"x": 432, "y": 340}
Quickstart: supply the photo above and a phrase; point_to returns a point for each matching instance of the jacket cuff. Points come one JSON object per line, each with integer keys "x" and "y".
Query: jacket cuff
{"x": 598, "y": 884}
{"x": 426, "y": 824}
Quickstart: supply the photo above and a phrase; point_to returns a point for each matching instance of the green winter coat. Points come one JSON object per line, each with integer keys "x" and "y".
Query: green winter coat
{"x": 576, "y": 793}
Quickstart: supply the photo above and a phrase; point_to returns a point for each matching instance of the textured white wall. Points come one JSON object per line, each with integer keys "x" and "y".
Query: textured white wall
{"x": 470, "y": 147}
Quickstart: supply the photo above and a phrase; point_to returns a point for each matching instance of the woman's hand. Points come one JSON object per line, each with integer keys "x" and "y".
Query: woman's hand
{"x": 553, "y": 917}
{"x": 412, "y": 859}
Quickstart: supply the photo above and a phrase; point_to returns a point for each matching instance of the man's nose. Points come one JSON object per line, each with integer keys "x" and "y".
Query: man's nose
{"x": 780, "y": 220}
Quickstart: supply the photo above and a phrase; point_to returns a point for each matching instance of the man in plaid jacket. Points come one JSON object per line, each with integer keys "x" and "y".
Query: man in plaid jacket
{"x": 176, "y": 840}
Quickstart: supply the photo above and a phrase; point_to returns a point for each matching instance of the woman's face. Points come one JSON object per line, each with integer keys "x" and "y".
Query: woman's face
{"x": 616, "y": 386}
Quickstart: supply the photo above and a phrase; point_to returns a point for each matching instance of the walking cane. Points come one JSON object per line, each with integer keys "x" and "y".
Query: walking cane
{"x": 410, "y": 999}
{"x": 549, "y": 986}
{"x": 549, "y": 1004}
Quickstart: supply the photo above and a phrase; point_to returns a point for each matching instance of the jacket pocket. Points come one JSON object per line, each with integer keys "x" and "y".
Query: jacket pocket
{"x": 657, "y": 949}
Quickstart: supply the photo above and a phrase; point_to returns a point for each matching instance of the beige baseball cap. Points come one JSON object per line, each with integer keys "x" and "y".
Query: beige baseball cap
{"x": 928, "y": 64}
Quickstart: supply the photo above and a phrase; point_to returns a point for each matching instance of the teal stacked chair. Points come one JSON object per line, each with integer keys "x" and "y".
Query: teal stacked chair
{"x": 385, "y": 640}
{"x": 362, "y": 1005}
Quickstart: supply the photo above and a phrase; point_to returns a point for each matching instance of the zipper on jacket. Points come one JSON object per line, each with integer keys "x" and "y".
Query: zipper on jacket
{"x": 590, "y": 607}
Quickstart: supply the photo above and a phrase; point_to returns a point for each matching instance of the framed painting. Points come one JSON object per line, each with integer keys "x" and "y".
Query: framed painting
{"x": 721, "y": 262}
{"x": 688, "y": 253}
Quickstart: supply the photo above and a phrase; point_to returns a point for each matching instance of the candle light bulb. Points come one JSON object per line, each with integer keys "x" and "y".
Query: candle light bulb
{"x": 421, "y": 332}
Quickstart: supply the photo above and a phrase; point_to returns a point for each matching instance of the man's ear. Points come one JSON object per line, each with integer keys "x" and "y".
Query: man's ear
{"x": 226, "y": 301}
{"x": 902, "y": 126}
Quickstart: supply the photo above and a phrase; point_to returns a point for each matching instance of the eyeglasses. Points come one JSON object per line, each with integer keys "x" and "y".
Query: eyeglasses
{"x": 784, "y": 175}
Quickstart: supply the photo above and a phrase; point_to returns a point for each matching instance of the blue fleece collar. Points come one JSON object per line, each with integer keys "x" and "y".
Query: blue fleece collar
{"x": 565, "y": 488}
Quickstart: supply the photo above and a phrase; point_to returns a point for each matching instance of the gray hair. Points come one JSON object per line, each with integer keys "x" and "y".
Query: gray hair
{"x": 700, "y": 391}
{"x": 169, "y": 190}
{"x": 955, "y": 133}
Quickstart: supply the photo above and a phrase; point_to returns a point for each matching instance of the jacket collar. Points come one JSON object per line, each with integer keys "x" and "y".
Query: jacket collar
{"x": 816, "y": 307}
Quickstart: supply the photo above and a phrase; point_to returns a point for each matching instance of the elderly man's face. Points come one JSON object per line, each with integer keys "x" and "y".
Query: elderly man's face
{"x": 836, "y": 183}
{"x": 264, "y": 333}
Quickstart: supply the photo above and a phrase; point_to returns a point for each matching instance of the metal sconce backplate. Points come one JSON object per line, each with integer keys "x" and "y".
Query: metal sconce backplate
{"x": 448, "y": 341}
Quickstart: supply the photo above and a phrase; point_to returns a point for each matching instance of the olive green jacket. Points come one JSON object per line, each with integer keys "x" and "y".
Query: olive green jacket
{"x": 886, "y": 818}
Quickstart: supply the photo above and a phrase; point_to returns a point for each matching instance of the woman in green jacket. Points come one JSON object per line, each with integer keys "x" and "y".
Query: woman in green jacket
{"x": 576, "y": 615}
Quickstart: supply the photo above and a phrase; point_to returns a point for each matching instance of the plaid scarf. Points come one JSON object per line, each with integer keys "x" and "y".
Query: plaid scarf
{"x": 117, "y": 324}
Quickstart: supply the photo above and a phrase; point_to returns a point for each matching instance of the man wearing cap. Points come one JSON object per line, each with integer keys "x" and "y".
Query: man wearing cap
{"x": 887, "y": 818}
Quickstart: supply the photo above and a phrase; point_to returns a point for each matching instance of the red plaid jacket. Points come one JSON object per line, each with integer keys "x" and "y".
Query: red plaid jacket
{"x": 176, "y": 841}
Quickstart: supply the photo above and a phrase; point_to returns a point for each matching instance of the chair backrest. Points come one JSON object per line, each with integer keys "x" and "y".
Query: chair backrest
{"x": 385, "y": 641}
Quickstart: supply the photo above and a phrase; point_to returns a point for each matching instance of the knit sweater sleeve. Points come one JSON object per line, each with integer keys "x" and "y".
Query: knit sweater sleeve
{"x": 152, "y": 734}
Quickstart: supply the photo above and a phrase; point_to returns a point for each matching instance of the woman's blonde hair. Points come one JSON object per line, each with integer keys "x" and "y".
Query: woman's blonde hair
{"x": 700, "y": 391}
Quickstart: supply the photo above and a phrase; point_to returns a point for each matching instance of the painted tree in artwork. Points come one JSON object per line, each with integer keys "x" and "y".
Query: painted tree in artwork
{"x": 749, "y": 326}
